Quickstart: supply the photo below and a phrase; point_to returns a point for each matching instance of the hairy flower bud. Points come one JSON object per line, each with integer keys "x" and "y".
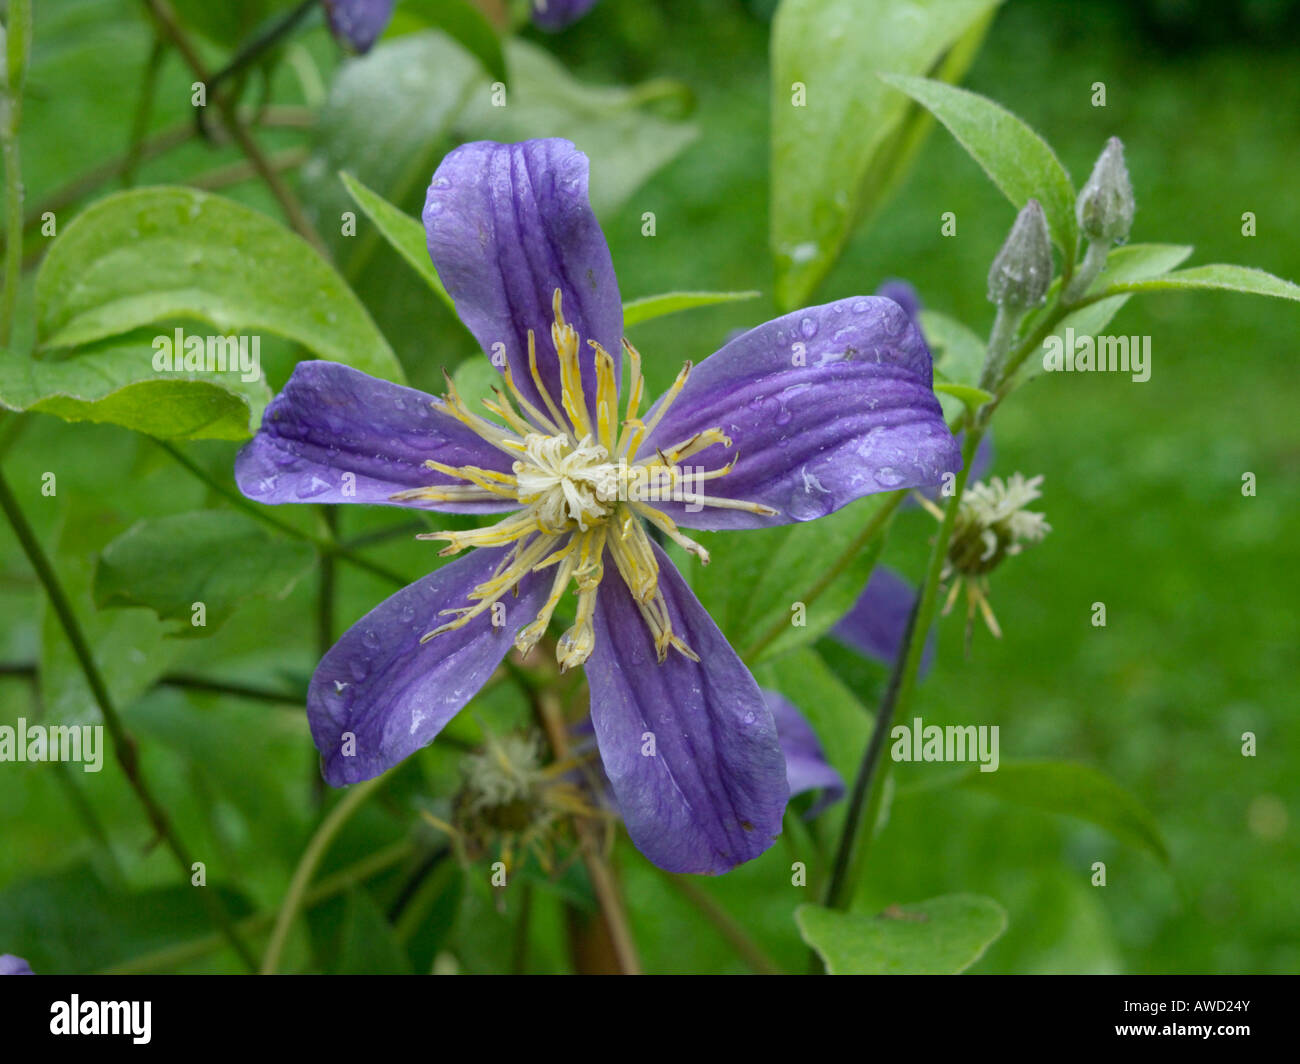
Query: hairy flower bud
{"x": 1022, "y": 270}
{"x": 1105, "y": 206}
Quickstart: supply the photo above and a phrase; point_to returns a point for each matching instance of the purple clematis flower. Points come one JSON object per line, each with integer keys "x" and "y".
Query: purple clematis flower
{"x": 788, "y": 422}
{"x": 11, "y": 965}
{"x": 358, "y": 23}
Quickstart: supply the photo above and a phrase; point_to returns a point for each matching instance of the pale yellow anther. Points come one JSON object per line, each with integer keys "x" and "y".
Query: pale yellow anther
{"x": 583, "y": 496}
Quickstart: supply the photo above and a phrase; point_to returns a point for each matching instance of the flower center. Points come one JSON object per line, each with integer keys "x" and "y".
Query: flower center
{"x": 583, "y": 493}
{"x": 566, "y": 483}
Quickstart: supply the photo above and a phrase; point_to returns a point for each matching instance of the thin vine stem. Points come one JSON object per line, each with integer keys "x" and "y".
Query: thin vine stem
{"x": 325, "y": 546}
{"x": 320, "y": 843}
{"x": 166, "y": 20}
{"x": 124, "y": 748}
{"x": 864, "y": 804}
{"x": 330, "y": 887}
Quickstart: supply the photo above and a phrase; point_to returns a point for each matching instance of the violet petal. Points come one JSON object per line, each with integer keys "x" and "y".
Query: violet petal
{"x": 714, "y": 791}
{"x": 392, "y": 694}
{"x": 507, "y": 225}
{"x": 11, "y": 965}
{"x": 331, "y": 421}
{"x": 822, "y": 406}
{"x": 552, "y": 15}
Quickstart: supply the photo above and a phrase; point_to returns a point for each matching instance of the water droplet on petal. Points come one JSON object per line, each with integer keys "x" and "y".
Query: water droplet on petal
{"x": 315, "y": 486}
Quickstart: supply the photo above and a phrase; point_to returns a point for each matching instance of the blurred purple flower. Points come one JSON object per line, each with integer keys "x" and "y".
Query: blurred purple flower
{"x": 806, "y": 767}
{"x": 11, "y": 965}
{"x": 875, "y": 624}
{"x": 801, "y": 416}
{"x": 358, "y": 23}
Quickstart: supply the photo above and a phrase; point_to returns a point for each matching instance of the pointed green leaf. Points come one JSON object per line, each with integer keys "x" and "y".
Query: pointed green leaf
{"x": 649, "y": 307}
{"x": 403, "y": 232}
{"x": 152, "y": 254}
{"x": 969, "y": 396}
{"x": 942, "y": 936}
{"x": 1017, "y": 159}
{"x": 840, "y": 138}
{"x": 1129, "y": 263}
{"x": 958, "y": 351}
{"x": 1218, "y": 276}
{"x": 215, "y": 557}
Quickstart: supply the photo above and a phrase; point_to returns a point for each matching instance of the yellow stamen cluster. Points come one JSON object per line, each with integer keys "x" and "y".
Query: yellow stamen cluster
{"x": 583, "y": 493}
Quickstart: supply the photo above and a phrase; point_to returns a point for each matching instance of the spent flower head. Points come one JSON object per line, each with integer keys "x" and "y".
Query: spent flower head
{"x": 992, "y": 524}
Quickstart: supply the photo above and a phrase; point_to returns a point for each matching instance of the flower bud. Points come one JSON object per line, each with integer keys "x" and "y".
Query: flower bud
{"x": 1105, "y": 206}
{"x": 1022, "y": 270}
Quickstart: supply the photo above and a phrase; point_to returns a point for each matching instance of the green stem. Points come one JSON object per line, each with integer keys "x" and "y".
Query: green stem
{"x": 1094, "y": 261}
{"x": 124, "y": 748}
{"x": 746, "y": 948}
{"x": 165, "y": 19}
{"x": 143, "y": 111}
{"x": 864, "y": 804}
{"x": 17, "y": 41}
{"x": 331, "y": 886}
{"x": 264, "y": 41}
{"x": 307, "y": 865}
{"x": 325, "y": 546}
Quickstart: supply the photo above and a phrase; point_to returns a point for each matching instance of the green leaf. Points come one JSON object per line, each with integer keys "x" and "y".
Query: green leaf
{"x": 958, "y": 351}
{"x": 942, "y": 936}
{"x": 369, "y": 946}
{"x": 403, "y": 232}
{"x": 1218, "y": 276}
{"x": 835, "y": 158}
{"x": 152, "y": 254}
{"x": 114, "y": 382}
{"x": 217, "y": 557}
{"x": 130, "y": 647}
{"x": 72, "y": 923}
{"x": 625, "y": 140}
{"x": 971, "y": 397}
{"x": 1017, "y": 159}
{"x": 1069, "y": 789}
{"x": 958, "y": 360}
{"x": 755, "y": 578}
{"x": 1129, "y": 263}
{"x": 649, "y": 307}
{"x": 460, "y": 20}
